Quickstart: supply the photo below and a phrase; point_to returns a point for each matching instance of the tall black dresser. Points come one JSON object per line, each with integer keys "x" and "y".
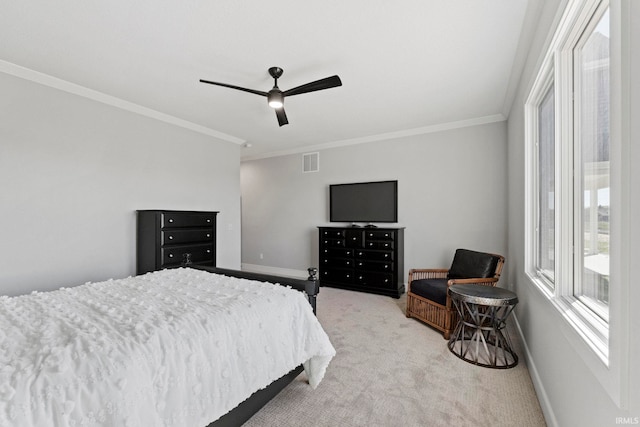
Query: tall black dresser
{"x": 175, "y": 238}
{"x": 363, "y": 259}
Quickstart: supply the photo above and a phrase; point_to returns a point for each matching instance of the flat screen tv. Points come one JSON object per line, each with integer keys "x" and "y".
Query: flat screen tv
{"x": 364, "y": 202}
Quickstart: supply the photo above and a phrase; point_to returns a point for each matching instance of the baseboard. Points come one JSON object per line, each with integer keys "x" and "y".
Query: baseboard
{"x": 543, "y": 398}
{"x": 286, "y": 272}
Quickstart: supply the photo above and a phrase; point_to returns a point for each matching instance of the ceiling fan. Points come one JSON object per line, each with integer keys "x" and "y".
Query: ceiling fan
{"x": 275, "y": 97}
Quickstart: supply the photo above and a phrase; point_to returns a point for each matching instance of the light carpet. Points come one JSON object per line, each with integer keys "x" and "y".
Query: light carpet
{"x": 394, "y": 371}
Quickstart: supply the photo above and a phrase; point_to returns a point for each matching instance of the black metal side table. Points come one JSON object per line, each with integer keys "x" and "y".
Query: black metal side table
{"x": 480, "y": 336}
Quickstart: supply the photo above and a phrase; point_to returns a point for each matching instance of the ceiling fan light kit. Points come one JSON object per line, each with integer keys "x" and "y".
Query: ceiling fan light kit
{"x": 275, "y": 97}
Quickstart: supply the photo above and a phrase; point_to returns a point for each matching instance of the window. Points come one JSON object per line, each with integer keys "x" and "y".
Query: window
{"x": 591, "y": 111}
{"x": 546, "y": 232}
{"x": 568, "y": 172}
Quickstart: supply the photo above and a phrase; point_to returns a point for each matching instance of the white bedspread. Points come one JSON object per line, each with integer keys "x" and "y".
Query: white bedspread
{"x": 172, "y": 348}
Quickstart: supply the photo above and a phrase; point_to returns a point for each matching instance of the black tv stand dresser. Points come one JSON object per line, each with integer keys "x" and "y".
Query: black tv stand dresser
{"x": 368, "y": 259}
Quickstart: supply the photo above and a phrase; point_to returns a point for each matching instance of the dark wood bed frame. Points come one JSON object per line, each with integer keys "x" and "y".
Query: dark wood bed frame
{"x": 241, "y": 413}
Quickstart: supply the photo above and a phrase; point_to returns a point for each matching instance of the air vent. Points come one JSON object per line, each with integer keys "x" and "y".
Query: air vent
{"x": 310, "y": 162}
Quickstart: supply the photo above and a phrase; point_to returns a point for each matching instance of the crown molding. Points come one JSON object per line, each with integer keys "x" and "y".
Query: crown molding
{"x": 66, "y": 86}
{"x": 382, "y": 136}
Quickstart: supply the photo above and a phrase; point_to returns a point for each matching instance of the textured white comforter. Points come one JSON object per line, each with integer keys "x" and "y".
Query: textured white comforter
{"x": 172, "y": 348}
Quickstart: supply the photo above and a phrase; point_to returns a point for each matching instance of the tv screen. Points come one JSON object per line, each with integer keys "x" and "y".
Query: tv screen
{"x": 364, "y": 202}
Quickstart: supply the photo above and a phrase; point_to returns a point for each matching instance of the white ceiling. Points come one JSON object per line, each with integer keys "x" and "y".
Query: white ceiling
{"x": 406, "y": 66}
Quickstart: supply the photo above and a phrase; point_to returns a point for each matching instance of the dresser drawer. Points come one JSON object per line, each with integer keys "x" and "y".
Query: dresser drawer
{"x": 333, "y": 243}
{"x": 182, "y": 219}
{"x": 175, "y": 255}
{"x": 336, "y": 253}
{"x": 379, "y": 245}
{"x": 336, "y": 275}
{"x": 374, "y": 255}
{"x": 336, "y": 262}
{"x": 173, "y": 237}
{"x": 336, "y": 234}
{"x": 379, "y": 280}
{"x": 379, "y": 235}
{"x": 354, "y": 238}
{"x": 374, "y": 266}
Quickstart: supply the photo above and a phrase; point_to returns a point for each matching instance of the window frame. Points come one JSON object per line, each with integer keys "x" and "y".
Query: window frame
{"x": 543, "y": 84}
{"x": 594, "y": 305}
{"x": 557, "y": 70}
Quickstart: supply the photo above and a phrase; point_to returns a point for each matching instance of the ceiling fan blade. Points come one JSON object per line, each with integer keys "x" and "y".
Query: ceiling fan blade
{"x": 282, "y": 117}
{"x": 244, "y": 89}
{"x": 326, "y": 83}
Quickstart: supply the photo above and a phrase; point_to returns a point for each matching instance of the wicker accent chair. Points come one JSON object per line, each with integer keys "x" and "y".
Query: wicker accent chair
{"x": 428, "y": 297}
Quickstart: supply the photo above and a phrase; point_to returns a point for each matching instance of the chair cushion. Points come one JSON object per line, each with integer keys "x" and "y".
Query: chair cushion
{"x": 431, "y": 289}
{"x": 471, "y": 264}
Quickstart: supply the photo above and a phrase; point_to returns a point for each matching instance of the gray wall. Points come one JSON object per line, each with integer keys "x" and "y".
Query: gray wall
{"x": 451, "y": 184}
{"x": 72, "y": 173}
{"x": 574, "y": 387}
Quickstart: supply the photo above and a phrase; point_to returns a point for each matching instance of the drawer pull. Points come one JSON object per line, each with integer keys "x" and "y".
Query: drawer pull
{"x": 208, "y": 220}
{"x": 208, "y": 235}
{"x": 170, "y": 255}
{"x": 170, "y": 237}
{"x": 170, "y": 220}
{"x": 208, "y": 251}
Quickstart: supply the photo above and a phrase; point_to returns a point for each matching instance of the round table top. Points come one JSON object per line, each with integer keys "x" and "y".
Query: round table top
{"x": 483, "y": 295}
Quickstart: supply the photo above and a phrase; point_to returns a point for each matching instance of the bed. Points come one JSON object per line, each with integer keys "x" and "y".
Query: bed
{"x": 178, "y": 347}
